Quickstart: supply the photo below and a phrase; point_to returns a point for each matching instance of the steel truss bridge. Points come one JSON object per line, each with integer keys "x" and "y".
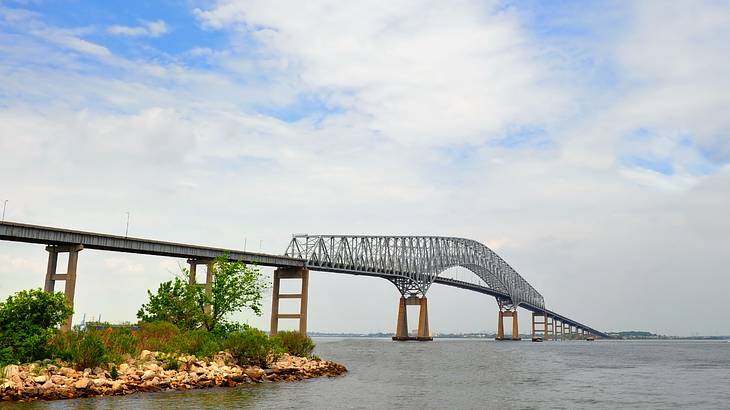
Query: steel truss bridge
{"x": 411, "y": 263}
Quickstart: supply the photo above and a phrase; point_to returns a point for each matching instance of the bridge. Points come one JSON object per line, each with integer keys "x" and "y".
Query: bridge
{"x": 411, "y": 263}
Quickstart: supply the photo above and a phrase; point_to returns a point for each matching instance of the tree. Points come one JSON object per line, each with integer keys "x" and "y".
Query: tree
{"x": 236, "y": 286}
{"x": 28, "y": 320}
{"x": 175, "y": 302}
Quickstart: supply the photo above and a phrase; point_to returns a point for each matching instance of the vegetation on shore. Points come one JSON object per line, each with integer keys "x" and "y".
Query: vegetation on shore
{"x": 178, "y": 319}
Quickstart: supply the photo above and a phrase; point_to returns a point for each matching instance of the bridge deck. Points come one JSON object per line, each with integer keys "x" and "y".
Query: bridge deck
{"x": 11, "y": 231}
{"x": 17, "y": 232}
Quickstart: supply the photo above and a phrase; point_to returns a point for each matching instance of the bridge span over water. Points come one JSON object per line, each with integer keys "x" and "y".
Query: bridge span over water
{"x": 411, "y": 263}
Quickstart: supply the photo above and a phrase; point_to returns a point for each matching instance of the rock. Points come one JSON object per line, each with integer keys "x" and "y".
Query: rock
{"x": 98, "y": 371}
{"x": 148, "y": 374}
{"x": 82, "y": 383}
{"x": 123, "y": 368}
{"x": 152, "y": 366}
{"x": 100, "y": 382}
{"x": 146, "y": 355}
{"x": 117, "y": 385}
{"x": 66, "y": 371}
{"x": 58, "y": 379}
{"x": 40, "y": 379}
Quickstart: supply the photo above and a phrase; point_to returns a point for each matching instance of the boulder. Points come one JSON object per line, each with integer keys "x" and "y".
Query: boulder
{"x": 58, "y": 379}
{"x": 146, "y": 355}
{"x": 148, "y": 374}
{"x": 66, "y": 371}
{"x": 82, "y": 383}
{"x": 40, "y": 379}
{"x": 123, "y": 368}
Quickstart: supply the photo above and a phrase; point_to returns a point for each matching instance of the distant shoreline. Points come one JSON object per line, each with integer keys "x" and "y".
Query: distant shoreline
{"x": 492, "y": 336}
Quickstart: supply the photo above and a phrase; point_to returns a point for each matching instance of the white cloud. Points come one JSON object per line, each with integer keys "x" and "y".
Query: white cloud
{"x": 422, "y": 73}
{"x": 147, "y": 29}
{"x": 421, "y": 92}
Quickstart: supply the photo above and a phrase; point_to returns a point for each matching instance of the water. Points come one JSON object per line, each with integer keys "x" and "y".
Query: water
{"x": 477, "y": 374}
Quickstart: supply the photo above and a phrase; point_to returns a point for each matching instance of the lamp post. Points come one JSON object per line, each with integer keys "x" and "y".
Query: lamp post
{"x": 126, "y": 230}
{"x": 5, "y": 204}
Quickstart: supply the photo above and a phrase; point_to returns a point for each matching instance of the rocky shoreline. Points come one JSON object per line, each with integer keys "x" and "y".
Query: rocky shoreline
{"x": 58, "y": 381}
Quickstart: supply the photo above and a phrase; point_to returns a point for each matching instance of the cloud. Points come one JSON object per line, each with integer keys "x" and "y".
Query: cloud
{"x": 411, "y": 118}
{"x": 147, "y": 29}
{"x": 421, "y": 73}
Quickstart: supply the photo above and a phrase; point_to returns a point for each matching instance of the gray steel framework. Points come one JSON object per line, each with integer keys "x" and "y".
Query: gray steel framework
{"x": 413, "y": 263}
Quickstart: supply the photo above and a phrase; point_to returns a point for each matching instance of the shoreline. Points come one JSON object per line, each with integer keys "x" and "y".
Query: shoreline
{"x": 56, "y": 382}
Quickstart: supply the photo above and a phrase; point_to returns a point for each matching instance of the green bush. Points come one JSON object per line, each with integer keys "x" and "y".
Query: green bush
{"x": 295, "y": 343}
{"x": 156, "y": 336}
{"x": 118, "y": 342}
{"x": 28, "y": 320}
{"x": 114, "y": 373}
{"x": 253, "y": 347}
{"x": 89, "y": 351}
{"x": 200, "y": 343}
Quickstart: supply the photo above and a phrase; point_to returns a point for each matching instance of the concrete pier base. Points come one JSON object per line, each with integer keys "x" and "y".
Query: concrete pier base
{"x": 69, "y": 277}
{"x": 290, "y": 273}
{"x": 515, "y": 325}
{"x": 401, "y": 332}
{"x": 209, "y": 273}
{"x": 539, "y": 327}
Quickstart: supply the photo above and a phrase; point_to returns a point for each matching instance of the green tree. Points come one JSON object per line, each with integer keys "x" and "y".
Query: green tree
{"x": 176, "y": 302}
{"x": 28, "y": 320}
{"x": 236, "y": 286}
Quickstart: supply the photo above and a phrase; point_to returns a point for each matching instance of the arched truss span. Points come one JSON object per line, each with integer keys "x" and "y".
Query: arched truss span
{"x": 412, "y": 262}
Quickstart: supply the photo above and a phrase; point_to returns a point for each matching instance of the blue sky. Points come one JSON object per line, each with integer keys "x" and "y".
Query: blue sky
{"x": 555, "y": 132}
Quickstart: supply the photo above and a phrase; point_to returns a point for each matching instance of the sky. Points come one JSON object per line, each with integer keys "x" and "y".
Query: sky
{"x": 587, "y": 142}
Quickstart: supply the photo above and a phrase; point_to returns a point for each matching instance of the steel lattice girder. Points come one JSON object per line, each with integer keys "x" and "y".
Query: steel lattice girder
{"x": 412, "y": 262}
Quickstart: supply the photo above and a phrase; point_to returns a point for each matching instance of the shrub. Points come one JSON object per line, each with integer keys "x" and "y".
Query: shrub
{"x": 200, "y": 343}
{"x": 89, "y": 351}
{"x": 156, "y": 335}
{"x": 119, "y": 342}
{"x": 28, "y": 320}
{"x": 114, "y": 373}
{"x": 252, "y": 347}
{"x": 295, "y": 343}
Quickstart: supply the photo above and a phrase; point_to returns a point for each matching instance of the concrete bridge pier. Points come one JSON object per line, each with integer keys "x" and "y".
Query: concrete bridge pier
{"x": 539, "y": 333}
{"x": 515, "y": 324}
{"x": 69, "y": 277}
{"x": 290, "y": 273}
{"x": 401, "y": 332}
{"x": 192, "y": 280}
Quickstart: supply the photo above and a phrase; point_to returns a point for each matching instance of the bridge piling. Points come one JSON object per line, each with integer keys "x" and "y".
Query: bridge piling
{"x": 290, "y": 273}
{"x": 424, "y": 333}
{"x": 69, "y": 277}
{"x": 539, "y": 333}
{"x": 515, "y": 325}
{"x": 401, "y": 329}
{"x": 209, "y": 273}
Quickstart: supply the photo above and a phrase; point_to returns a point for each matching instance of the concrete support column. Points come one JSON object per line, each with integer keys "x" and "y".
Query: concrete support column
{"x": 539, "y": 333}
{"x": 424, "y": 333}
{"x": 69, "y": 277}
{"x": 303, "y": 302}
{"x": 51, "y": 270}
{"x": 193, "y": 271}
{"x": 209, "y": 285}
{"x": 515, "y": 325}
{"x": 401, "y": 331}
{"x": 401, "y": 328}
{"x": 290, "y": 273}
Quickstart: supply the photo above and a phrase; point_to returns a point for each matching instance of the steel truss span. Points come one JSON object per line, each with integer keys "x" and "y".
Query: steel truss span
{"x": 413, "y": 263}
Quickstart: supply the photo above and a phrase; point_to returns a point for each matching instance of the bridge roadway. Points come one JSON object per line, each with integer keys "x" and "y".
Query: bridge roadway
{"x": 72, "y": 241}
